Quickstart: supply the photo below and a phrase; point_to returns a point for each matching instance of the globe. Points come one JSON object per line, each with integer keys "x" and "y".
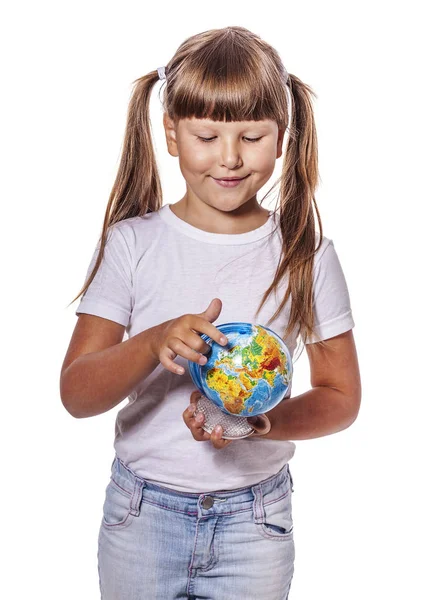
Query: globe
{"x": 247, "y": 377}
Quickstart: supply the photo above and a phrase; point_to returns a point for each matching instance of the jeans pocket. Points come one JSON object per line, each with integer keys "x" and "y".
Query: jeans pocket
{"x": 274, "y": 516}
{"x": 117, "y": 512}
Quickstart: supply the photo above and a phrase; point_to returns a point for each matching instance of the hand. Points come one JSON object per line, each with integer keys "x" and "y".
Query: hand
{"x": 260, "y": 423}
{"x": 179, "y": 337}
{"x": 195, "y": 425}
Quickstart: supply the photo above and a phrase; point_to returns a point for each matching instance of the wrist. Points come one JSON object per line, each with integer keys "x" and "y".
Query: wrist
{"x": 153, "y": 338}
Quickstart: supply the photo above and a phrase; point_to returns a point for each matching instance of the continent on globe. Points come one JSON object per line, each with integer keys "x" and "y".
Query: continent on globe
{"x": 251, "y": 374}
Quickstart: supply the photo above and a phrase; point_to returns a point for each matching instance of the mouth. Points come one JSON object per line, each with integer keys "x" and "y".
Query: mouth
{"x": 229, "y": 182}
{"x": 230, "y": 178}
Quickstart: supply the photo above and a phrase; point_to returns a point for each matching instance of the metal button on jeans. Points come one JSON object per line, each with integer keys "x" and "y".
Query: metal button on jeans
{"x": 208, "y": 502}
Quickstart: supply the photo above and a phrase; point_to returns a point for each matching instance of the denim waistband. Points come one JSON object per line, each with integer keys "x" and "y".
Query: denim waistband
{"x": 220, "y": 502}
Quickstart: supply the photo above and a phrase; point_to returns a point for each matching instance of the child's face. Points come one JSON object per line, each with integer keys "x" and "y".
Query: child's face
{"x": 230, "y": 153}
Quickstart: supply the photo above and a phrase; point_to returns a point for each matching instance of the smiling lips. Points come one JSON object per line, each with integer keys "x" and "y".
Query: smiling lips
{"x": 229, "y": 182}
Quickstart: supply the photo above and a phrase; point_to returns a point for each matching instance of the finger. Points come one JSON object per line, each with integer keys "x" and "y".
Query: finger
{"x": 181, "y": 349}
{"x": 189, "y": 414}
{"x": 197, "y": 429}
{"x": 200, "y": 324}
{"x": 216, "y": 438}
{"x": 166, "y": 358}
{"x": 195, "y": 424}
{"x": 195, "y": 397}
{"x": 192, "y": 339}
{"x": 167, "y": 355}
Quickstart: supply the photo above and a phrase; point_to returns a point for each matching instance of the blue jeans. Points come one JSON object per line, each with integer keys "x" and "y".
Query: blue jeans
{"x": 156, "y": 543}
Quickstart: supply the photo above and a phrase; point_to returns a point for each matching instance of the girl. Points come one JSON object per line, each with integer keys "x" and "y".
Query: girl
{"x": 208, "y": 520}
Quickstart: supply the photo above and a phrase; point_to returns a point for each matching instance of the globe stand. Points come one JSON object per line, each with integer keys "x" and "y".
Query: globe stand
{"x": 234, "y": 427}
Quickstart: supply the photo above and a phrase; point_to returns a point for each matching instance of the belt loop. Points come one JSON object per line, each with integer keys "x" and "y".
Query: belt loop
{"x": 258, "y": 510}
{"x": 137, "y": 496}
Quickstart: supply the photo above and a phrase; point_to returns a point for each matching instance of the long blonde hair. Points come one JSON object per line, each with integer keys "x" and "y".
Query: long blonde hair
{"x": 231, "y": 74}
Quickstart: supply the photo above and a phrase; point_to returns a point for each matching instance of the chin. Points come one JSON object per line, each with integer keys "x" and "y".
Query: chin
{"x": 227, "y": 206}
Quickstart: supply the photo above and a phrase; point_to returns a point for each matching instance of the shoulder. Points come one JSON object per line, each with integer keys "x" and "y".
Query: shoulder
{"x": 326, "y": 246}
{"x": 128, "y": 240}
{"x": 133, "y": 226}
{"x": 137, "y": 233}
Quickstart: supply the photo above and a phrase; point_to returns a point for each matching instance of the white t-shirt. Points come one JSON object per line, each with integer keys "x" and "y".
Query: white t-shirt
{"x": 158, "y": 267}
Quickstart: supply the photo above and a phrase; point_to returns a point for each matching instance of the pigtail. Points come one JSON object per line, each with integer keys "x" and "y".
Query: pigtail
{"x": 137, "y": 187}
{"x": 298, "y": 182}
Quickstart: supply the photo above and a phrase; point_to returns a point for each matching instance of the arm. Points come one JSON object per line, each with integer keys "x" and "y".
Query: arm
{"x": 333, "y": 402}
{"x": 99, "y": 369}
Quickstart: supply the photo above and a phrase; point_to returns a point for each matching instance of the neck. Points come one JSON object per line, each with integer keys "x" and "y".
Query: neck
{"x": 246, "y": 217}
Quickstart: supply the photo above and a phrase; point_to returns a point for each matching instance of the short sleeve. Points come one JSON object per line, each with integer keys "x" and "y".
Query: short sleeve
{"x": 110, "y": 293}
{"x": 332, "y": 309}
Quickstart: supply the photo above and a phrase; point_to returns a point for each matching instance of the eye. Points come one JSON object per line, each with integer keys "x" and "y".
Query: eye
{"x": 213, "y": 138}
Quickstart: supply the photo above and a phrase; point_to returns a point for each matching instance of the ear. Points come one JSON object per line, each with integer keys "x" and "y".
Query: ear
{"x": 281, "y": 133}
{"x": 170, "y": 134}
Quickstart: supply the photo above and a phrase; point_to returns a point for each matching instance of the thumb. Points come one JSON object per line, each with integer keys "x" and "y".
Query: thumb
{"x": 260, "y": 423}
{"x": 213, "y": 310}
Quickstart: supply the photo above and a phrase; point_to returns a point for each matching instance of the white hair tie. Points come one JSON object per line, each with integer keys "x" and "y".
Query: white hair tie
{"x": 161, "y": 72}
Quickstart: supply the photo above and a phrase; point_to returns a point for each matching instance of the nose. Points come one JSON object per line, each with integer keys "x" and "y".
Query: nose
{"x": 230, "y": 154}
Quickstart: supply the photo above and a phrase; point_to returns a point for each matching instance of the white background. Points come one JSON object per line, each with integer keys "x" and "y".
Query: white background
{"x": 360, "y": 498}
